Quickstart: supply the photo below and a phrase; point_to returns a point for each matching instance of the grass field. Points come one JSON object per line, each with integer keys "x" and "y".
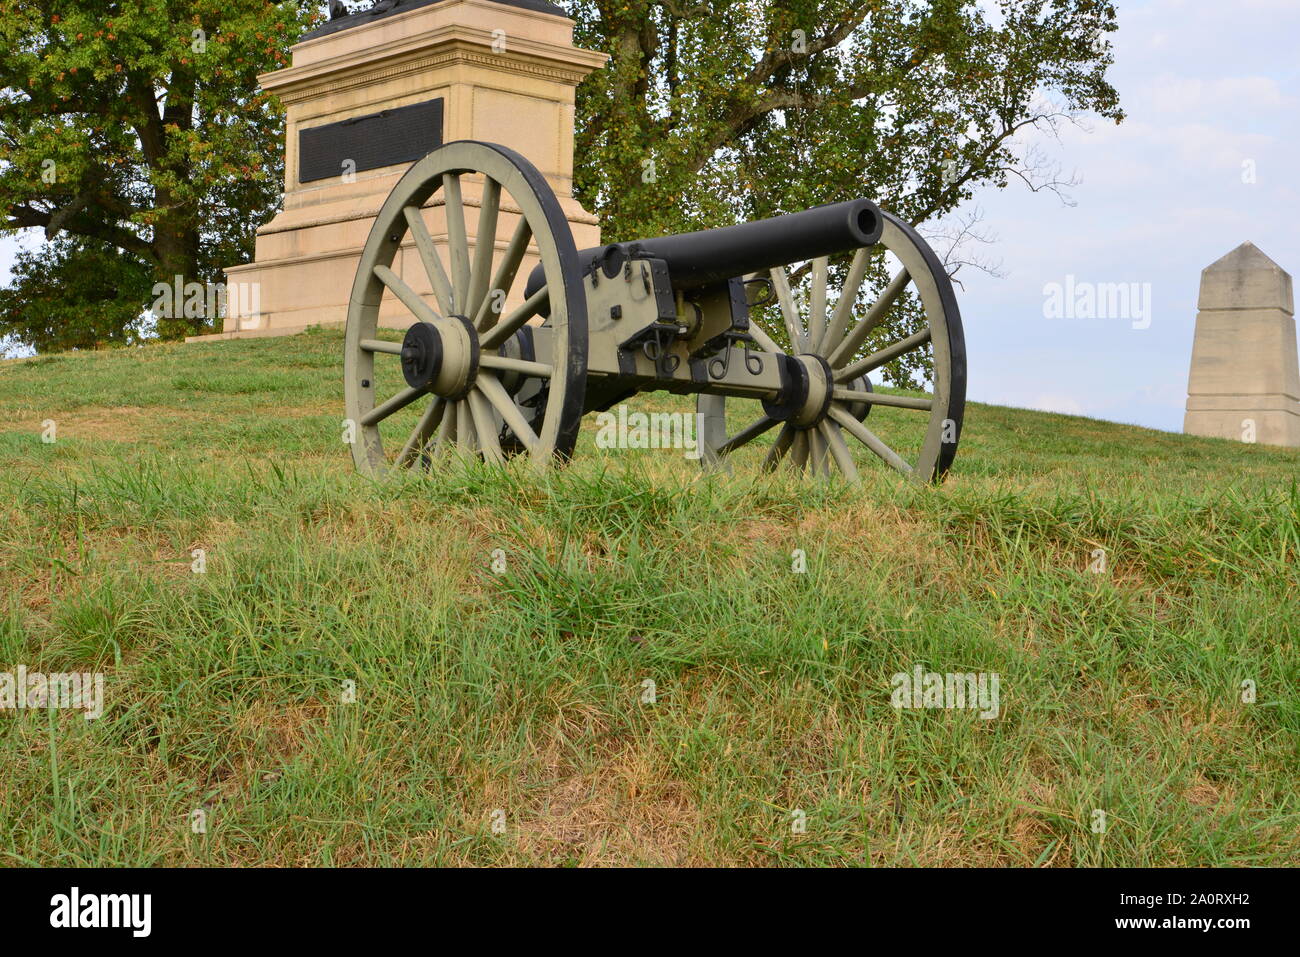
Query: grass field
{"x": 516, "y": 698}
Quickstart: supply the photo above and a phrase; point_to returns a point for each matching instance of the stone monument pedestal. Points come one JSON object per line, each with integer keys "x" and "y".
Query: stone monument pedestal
{"x": 1244, "y": 382}
{"x": 365, "y": 96}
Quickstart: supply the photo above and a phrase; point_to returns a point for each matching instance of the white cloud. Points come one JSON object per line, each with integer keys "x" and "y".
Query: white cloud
{"x": 1173, "y": 93}
{"x": 1048, "y": 402}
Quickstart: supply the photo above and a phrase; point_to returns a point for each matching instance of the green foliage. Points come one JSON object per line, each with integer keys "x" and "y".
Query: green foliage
{"x": 138, "y": 124}
{"x": 713, "y": 113}
{"x": 748, "y": 109}
{"x": 74, "y": 294}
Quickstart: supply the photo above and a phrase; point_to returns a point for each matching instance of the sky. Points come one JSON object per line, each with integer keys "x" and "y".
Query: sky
{"x": 1206, "y": 160}
{"x": 1212, "y": 93}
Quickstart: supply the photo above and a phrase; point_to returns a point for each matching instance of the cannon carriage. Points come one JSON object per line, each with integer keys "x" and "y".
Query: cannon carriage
{"x": 475, "y": 375}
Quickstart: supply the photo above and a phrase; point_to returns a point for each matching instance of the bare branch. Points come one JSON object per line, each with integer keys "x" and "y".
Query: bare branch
{"x": 955, "y": 241}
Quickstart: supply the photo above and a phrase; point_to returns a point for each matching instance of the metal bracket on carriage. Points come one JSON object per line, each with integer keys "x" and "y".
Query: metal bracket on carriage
{"x": 765, "y": 295}
{"x": 654, "y": 342}
{"x": 723, "y": 347}
{"x": 626, "y": 289}
{"x": 634, "y": 296}
{"x": 724, "y": 311}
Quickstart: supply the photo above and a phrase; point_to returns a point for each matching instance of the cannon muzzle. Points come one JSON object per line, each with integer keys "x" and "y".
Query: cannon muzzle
{"x": 712, "y": 256}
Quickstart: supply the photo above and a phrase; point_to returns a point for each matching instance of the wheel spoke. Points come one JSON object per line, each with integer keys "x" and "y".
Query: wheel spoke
{"x": 779, "y": 448}
{"x": 508, "y": 326}
{"x": 881, "y": 398}
{"x": 484, "y": 246}
{"x": 747, "y": 434}
{"x": 466, "y": 439}
{"x": 839, "y": 450}
{"x": 491, "y": 360}
{"x": 379, "y": 345}
{"x": 396, "y": 403}
{"x": 495, "y": 393}
{"x": 485, "y": 425}
{"x": 446, "y": 430}
{"x": 431, "y": 419}
{"x": 887, "y": 354}
{"x": 844, "y": 308}
{"x": 409, "y": 297}
{"x": 429, "y": 256}
{"x": 868, "y": 438}
{"x": 817, "y": 302}
{"x": 788, "y": 311}
{"x": 799, "y": 450}
{"x": 505, "y": 275}
{"x": 858, "y": 335}
{"x": 457, "y": 242}
{"x": 816, "y": 452}
{"x": 764, "y": 341}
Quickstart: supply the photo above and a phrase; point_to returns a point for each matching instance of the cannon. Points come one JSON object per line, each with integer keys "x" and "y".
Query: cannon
{"x": 516, "y": 342}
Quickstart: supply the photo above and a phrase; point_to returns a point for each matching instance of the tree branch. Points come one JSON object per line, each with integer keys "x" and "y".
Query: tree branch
{"x": 26, "y": 217}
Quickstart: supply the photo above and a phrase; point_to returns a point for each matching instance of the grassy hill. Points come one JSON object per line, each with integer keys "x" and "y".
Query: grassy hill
{"x": 522, "y": 692}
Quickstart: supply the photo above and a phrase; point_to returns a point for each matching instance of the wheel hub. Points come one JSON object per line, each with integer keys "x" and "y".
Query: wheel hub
{"x": 421, "y": 355}
{"x": 441, "y": 358}
{"x": 807, "y": 396}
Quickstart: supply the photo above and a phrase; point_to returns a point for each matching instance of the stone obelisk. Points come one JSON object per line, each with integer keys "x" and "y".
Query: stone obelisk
{"x": 1244, "y": 382}
{"x": 369, "y": 93}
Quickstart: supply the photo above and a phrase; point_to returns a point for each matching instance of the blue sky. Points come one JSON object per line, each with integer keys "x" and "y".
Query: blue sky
{"x": 1208, "y": 86}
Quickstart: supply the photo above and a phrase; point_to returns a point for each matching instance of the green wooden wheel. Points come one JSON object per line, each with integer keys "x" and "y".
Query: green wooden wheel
{"x": 465, "y": 379}
{"x": 920, "y": 438}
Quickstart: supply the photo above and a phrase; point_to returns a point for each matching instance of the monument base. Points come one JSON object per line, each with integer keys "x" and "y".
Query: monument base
{"x": 1266, "y": 424}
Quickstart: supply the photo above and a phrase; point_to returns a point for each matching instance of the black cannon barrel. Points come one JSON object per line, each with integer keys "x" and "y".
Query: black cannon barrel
{"x": 716, "y": 255}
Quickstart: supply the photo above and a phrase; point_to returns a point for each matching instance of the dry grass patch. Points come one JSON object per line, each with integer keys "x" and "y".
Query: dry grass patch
{"x": 623, "y": 810}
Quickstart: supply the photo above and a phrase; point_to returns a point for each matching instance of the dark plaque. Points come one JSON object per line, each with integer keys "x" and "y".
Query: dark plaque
{"x": 400, "y": 135}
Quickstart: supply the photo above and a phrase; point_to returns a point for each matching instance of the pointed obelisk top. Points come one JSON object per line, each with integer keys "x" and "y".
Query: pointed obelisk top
{"x": 1246, "y": 279}
{"x": 1245, "y": 256}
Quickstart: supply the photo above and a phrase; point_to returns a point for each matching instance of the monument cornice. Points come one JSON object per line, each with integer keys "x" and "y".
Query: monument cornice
{"x": 295, "y": 89}
{"x": 453, "y": 47}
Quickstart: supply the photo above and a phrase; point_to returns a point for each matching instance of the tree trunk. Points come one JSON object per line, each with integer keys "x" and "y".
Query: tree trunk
{"x": 176, "y": 251}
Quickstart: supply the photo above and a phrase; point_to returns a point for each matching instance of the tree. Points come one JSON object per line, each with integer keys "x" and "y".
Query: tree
{"x": 75, "y": 293}
{"x": 138, "y": 125}
{"x": 713, "y": 113}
